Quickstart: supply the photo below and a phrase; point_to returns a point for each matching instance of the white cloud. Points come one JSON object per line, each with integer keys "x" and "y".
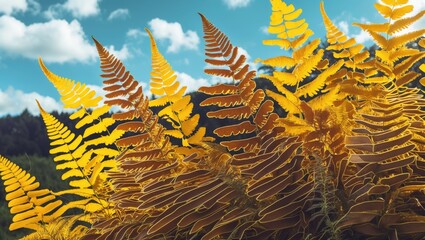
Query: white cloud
{"x": 191, "y": 83}
{"x": 122, "y": 54}
{"x": 362, "y": 37}
{"x": 135, "y": 33}
{"x": 232, "y": 4}
{"x": 77, "y": 8}
{"x": 120, "y": 13}
{"x": 11, "y": 6}
{"x": 343, "y": 26}
{"x": 55, "y": 41}
{"x": 173, "y": 32}
{"x": 13, "y": 102}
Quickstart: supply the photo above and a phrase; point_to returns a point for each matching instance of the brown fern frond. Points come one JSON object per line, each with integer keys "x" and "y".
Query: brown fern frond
{"x": 123, "y": 90}
{"x": 218, "y": 47}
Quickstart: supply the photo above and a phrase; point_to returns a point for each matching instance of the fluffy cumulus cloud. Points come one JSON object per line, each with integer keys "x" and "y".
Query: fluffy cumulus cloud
{"x": 55, "y": 40}
{"x": 232, "y": 4}
{"x": 77, "y": 8}
{"x": 9, "y": 7}
{"x": 173, "y": 32}
{"x": 120, "y": 13}
{"x": 13, "y": 102}
{"x": 122, "y": 54}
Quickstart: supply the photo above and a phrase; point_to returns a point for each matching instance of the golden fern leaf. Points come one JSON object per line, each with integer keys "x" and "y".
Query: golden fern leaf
{"x": 312, "y": 88}
{"x": 163, "y": 79}
{"x": 401, "y": 11}
{"x": 306, "y": 51}
{"x": 284, "y": 78}
{"x": 61, "y": 228}
{"x": 281, "y": 61}
{"x": 384, "y": 10}
{"x": 164, "y": 83}
{"x": 283, "y": 23}
{"x": 401, "y": 40}
{"x": 324, "y": 101}
{"x": 85, "y": 166}
{"x": 404, "y": 23}
{"x": 333, "y": 34}
{"x": 30, "y": 205}
{"x": 73, "y": 95}
{"x": 374, "y": 28}
{"x": 304, "y": 69}
{"x": 395, "y": 3}
{"x": 283, "y": 101}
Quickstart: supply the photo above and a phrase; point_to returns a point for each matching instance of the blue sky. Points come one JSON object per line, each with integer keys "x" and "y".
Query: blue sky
{"x": 60, "y": 32}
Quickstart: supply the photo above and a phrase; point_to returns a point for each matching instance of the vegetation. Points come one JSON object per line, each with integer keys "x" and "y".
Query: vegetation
{"x": 343, "y": 159}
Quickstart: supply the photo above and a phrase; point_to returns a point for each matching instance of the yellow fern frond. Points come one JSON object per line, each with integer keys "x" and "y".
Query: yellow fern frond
{"x": 384, "y": 10}
{"x": 164, "y": 84}
{"x": 401, "y": 40}
{"x": 312, "y": 88}
{"x": 73, "y": 95}
{"x": 284, "y": 23}
{"x": 281, "y": 61}
{"x": 404, "y": 23}
{"x": 333, "y": 34}
{"x": 373, "y": 27}
{"x": 394, "y": 3}
{"x": 30, "y": 205}
{"x": 283, "y": 102}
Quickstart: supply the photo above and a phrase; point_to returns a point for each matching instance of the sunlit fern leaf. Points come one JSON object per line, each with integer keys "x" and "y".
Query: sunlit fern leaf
{"x": 315, "y": 86}
{"x": 291, "y": 33}
{"x": 127, "y": 93}
{"x": 373, "y": 27}
{"x": 85, "y": 167}
{"x": 305, "y": 69}
{"x": 165, "y": 85}
{"x": 61, "y": 228}
{"x": 395, "y": 3}
{"x": 401, "y": 40}
{"x": 29, "y": 204}
{"x": 306, "y": 51}
{"x": 404, "y": 23}
{"x": 281, "y": 61}
{"x": 333, "y": 34}
{"x": 283, "y": 102}
{"x": 323, "y": 101}
{"x": 73, "y": 95}
{"x": 393, "y": 13}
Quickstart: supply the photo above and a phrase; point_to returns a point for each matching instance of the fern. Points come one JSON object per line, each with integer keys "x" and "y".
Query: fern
{"x": 32, "y": 207}
{"x": 179, "y": 109}
{"x": 291, "y": 33}
{"x": 240, "y": 100}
